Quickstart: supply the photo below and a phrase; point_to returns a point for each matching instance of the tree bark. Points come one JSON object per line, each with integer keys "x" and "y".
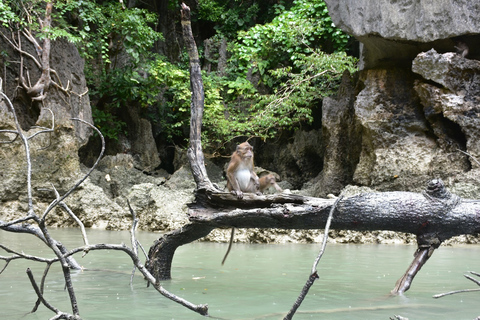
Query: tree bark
{"x": 162, "y": 251}
{"x": 432, "y": 219}
{"x": 195, "y": 152}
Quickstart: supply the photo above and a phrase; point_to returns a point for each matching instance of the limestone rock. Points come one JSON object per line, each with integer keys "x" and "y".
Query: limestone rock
{"x": 398, "y": 151}
{"x": 421, "y": 21}
{"x": 450, "y": 70}
{"x": 455, "y": 97}
{"x": 297, "y": 160}
{"x": 144, "y": 147}
{"x": 182, "y": 179}
{"x": 339, "y": 125}
{"x": 393, "y": 32}
{"x": 54, "y": 155}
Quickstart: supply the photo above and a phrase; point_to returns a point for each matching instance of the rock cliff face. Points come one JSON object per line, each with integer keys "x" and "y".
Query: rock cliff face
{"x": 54, "y": 155}
{"x": 396, "y": 31}
{"x": 415, "y": 99}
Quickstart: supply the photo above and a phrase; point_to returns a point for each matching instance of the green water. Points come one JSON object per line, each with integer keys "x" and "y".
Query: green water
{"x": 257, "y": 281}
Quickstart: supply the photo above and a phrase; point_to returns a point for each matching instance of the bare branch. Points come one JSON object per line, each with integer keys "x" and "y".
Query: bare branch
{"x": 60, "y": 199}
{"x": 464, "y": 290}
{"x": 325, "y": 234}
{"x": 19, "y": 49}
{"x": 39, "y": 293}
{"x": 132, "y": 237}
{"x": 21, "y": 255}
{"x": 77, "y": 220}
{"x": 59, "y": 314}
{"x": 42, "y": 286}
{"x": 314, "y": 274}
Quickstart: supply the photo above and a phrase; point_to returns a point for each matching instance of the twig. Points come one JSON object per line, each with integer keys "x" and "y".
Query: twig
{"x": 464, "y": 290}
{"x": 21, "y": 255}
{"x": 19, "y": 49}
{"x": 201, "y": 308}
{"x": 56, "y": 201}
{"x": 440, "y": 295}
{"x": 325, "y": 234}
{"x": 314, "y": 274}
{"x": 59, "y": 314}
{"x": 42, "y": 286}
{"x": 39, "y": 293}
{"x": 77, "y": 220}
{"x": 132, "y": 238}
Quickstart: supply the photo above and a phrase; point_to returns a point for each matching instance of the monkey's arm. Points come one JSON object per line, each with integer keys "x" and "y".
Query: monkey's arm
{"x": 277, "y": 187}
{"x": 232, "y": 183}
{"x": 256, "y": 182}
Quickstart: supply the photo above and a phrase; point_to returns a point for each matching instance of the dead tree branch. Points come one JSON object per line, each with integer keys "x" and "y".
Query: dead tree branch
{"x": 37, "y": 225}
{"x": 477, "y": 282}
{"x": 60, "y": 315}
{"x": 39, "y": 90}
{"x": 313, "y": 274}
{"x": 195, "y": 151}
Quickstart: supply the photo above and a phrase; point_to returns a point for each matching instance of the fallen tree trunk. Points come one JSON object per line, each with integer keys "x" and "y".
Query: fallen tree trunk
{"x": 395, "y": 211}
{"x": 432, "y": 219}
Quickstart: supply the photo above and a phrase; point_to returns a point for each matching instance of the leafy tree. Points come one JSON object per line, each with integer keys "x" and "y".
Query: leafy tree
{"x": 294, "y": 70}
{"x": 115, "y": 41}
{"x": 296, "y": 59}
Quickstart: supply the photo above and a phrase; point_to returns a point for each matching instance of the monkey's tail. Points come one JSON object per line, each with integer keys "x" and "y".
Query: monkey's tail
{"x": 229, "y": 246}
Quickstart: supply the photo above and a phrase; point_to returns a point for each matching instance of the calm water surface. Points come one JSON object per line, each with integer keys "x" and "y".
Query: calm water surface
{"x": 257, "y": 281}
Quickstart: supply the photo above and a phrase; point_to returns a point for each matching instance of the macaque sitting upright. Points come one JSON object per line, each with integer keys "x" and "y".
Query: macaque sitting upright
{"x": 240, "y": 175}
{"x": 267, "y": 181}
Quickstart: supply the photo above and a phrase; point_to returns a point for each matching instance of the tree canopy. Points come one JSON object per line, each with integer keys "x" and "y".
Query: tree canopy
{"x": 280, "y": 63}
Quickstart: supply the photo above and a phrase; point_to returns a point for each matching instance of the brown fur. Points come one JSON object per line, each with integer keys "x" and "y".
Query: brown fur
{"x": 268, "y": 181}
{"x": 240, "y": 175}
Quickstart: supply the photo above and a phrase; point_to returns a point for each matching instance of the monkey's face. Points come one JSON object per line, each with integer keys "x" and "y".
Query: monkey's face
{"x": 245, "y": 151}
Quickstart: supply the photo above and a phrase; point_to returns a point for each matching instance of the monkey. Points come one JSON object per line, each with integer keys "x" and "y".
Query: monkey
{"x": 265, "y": 182}
{"x": 241, "y": 178}
{"x": 462, "y": 49}
{"x": 240, "y": 175}
{"x": 268, "y": 181}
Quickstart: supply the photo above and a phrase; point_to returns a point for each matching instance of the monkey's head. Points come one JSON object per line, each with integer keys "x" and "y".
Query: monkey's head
{"x": 245, "y": 150}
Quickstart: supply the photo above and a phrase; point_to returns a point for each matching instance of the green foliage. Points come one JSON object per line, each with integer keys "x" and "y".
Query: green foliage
{"x": 103, "y": 31}
{"x": 300, "y": 30}
{"x": 7, "y": 16}
{"x": 289, "y": 57}
{"x": 109, "y": 30}
{"x": 230, "y": 16}
{"x": 319, "y": 76}
{"x": 296, "y": 59}
{"x": 174, "y": 103}
{"x": 108, "y": 124}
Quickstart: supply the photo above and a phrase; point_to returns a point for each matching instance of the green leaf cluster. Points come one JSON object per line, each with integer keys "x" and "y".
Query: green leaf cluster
{"x": 293, "y": 70}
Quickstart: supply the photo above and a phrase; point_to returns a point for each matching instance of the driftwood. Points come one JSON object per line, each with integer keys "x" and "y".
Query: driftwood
{"x": 434, "y": 215}
{"x": 432, "y": 219}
